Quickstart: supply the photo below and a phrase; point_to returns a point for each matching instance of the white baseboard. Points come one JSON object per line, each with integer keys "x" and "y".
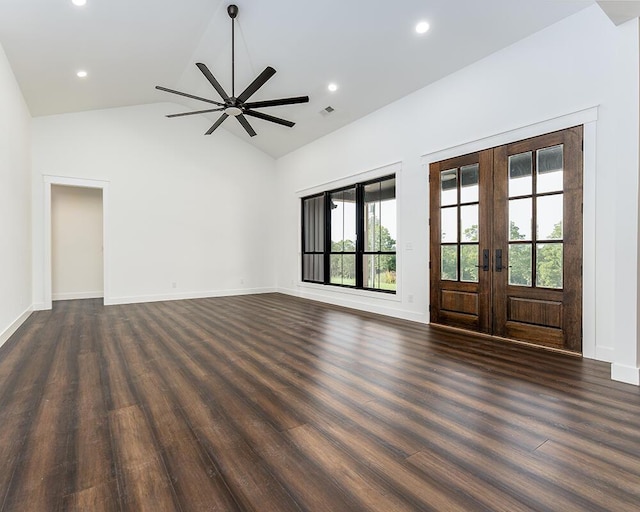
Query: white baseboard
{"x": 113, "y": 301}
{"x": 13, "y": 327}
{"x": 628, "y": 374}
{"x": 77, "y": 295}
{"x": 348, "y": 302}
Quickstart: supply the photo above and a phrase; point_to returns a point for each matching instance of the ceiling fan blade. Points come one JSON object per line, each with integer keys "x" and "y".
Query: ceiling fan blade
{"x": 256, "y": 84}
{"x": 160, "y": 88}
{"x": 275, "y": 103}
{"x": 216, "y": 124}
{"x": 209, "y": 76}
{"x": 245, "y": 124}
{"x": 267, "y": 117}
{"x": 197, "y": 112}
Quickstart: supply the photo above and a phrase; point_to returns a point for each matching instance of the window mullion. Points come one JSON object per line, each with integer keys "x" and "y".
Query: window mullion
{"x": 359, "y": 235}
{"x": 327, "y": 237}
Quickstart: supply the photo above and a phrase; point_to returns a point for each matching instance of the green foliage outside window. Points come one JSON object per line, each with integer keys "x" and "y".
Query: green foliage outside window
{"x": 343, "y": 266}
{"x": 549, "y": 260}
{"x": 549, "y": 263}
{"x": 469, "y": 263}
{"x": 383, "y": 273}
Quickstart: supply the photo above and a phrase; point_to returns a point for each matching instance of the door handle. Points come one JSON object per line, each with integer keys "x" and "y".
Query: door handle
{"x": 499, "y": 266}
{"x": 485, "y": 260}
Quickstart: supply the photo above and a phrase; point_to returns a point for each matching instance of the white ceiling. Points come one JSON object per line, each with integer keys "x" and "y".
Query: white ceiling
{"x": 368, "y": 47}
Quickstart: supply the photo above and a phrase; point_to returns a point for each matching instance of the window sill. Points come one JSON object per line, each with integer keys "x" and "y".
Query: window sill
{"x": 391, "y": 297}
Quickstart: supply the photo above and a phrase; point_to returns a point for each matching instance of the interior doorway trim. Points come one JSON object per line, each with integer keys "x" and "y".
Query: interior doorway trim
{"x": 49, "y": 181}
{"x": 588, "y": 118}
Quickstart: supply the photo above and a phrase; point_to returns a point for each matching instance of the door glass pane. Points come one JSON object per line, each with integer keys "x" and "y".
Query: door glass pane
{"x": 449, "y": 224}
{"x": 469, "y": 223}
{"x": 550, "y": 169}
{"x": 549, "y": 265}
{"x": 449, "y": 187}
{"x": 468, "y": 263}
{"x": 520, "y": 264}
{"x": 520, "y": 174}
{"x": 549, "y": 213}
{"x": 343, "y": 269}
{"x": 449, "y": 263}
{"x": 380, "y": 271}
{"x": 469, "y": 183}
{"x": 520, "y": 213}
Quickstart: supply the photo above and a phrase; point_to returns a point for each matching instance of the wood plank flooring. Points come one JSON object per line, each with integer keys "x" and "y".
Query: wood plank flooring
{"x": 272, "y": 403}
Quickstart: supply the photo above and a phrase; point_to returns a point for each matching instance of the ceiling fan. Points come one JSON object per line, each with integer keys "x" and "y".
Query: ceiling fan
{"x": 237, "y": 106}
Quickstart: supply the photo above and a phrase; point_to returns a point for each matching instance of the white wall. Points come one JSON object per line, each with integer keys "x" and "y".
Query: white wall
{"x": 581, "y": 62}
{"x": 188, "y": 215}
{"x": 76, "y": 243}
{"x": 15, "y": 215}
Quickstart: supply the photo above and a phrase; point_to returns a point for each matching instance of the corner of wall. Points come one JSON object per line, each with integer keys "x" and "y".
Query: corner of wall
{"x": 15, "y": 325}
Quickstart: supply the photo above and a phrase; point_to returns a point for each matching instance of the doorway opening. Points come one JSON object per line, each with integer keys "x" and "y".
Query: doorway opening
{"x": 76, "y": 243}
{"x": 76, "y": 239}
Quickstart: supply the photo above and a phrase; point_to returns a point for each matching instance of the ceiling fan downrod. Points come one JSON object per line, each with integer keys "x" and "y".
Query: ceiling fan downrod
{"x": 232, "y": 11}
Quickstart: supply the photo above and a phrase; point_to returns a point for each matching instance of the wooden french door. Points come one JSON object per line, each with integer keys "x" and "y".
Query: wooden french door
{"x": 506, "y": 240}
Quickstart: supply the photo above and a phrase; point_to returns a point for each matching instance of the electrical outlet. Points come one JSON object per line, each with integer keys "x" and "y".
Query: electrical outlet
{"x": 410, "y": 299}
{"x": 174, "y": 284}
{"x": 241, "y": 281}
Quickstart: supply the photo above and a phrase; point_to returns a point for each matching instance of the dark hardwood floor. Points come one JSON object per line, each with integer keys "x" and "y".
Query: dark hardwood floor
{"x": 272, "y": 403}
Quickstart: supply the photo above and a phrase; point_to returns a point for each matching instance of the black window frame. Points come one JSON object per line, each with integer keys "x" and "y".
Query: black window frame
{"x": 360, "y": 252}
{"x": 306, "y": 254}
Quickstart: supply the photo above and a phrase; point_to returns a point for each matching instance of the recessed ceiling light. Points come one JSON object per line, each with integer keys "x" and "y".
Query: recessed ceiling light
{"x": 422, "y": 27}
{"x": 333, "y": 87}
{"x": 81, "y": 74}
{"x": 79, "y": 3}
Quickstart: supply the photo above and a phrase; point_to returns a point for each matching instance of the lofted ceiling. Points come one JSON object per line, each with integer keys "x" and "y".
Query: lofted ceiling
{"x": 368, "y": 48}
{"x": 620, "y": 11}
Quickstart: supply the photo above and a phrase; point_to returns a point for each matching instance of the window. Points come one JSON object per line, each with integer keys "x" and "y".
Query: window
{"x": 349, "y": 236}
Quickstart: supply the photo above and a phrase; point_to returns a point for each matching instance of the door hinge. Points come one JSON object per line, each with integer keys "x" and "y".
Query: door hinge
{"x": 429, "y": 265}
